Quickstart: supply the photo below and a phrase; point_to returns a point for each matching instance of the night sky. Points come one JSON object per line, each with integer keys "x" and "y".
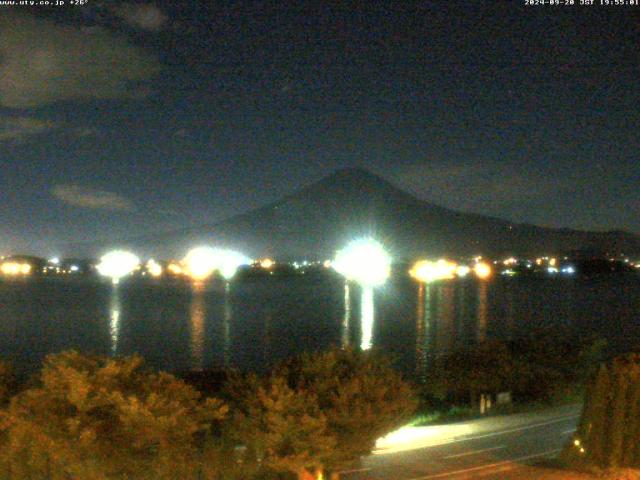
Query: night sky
{"x": 121, "y": 119}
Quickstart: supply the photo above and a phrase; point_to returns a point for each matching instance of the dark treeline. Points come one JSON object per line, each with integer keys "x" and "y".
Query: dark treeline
{"x": 546, "y": 365}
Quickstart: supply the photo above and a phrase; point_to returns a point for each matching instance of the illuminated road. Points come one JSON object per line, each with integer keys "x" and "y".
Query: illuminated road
{"x": 491, "y": 448}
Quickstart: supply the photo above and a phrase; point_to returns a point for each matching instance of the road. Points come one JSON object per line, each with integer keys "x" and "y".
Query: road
{"x": 486, "y": 448}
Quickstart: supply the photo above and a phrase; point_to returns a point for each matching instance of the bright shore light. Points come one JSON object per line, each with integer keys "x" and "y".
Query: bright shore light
{"x": 201, "y": 262}
{"x": 510, "y": 261}
{"x": 427, "y": 271}
{"x": 482, "y": 270}
{"x": 117, "y": 264}
{"x": 15, "y": 268}
{"x": 154, "y": 268}
{"x": 267, "y": 263}
{"x": 364, "y": 261}
{"x": 462, "y": 271}
{"x": 229, "y": 261}
{"x": 175, "y": 269}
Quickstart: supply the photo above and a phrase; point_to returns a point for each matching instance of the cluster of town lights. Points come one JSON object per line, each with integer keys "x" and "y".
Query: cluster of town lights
{"x": 427, "y": 271}
{"x": 202, "y": 262}
{"x": 15, "y": 268}
{"x": 199, "y": 264}
{"x": 363, "y": 261}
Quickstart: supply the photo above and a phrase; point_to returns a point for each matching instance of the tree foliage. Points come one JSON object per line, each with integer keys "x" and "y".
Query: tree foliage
{"x": 282, "y": 427}
{"x": 94, "y": 417}
{"x": 360, "y": 393}
{"x": 608, "y": 434}
{"x": 7, "y": 382}
{"x": 536, "y": 367}
{"x": 487, "y": 367}
{"x": 322, "y": 410}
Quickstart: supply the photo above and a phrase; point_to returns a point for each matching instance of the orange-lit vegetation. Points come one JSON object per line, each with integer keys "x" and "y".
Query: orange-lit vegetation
{"x": 93, "y": 417}
{"x": 320, "y": 411}
{"x": 609, "y": 430}
{"x": 96, "y": 417}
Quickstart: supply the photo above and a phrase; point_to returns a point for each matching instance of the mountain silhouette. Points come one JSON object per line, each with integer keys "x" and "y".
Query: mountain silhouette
{"x": 319, "y": 219}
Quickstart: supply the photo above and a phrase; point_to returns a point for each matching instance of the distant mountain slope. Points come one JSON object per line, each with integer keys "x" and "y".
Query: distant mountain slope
{"x": 317, "y": 220}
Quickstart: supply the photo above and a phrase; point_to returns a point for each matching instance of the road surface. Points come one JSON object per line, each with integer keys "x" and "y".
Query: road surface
{"x": 490, "y": 448}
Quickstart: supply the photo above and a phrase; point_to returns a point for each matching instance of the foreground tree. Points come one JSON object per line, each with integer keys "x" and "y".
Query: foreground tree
{"x": 322, "y": 411}
{"x": 485, "y": 368}
{"x": 7, "y": 382}
{"x": 361, "y": 395}
{"x": 95, "y": 417}
{"x": 282, "y": 428}
{"x": 540, "y": 366}
{"x": 608, "y": 435}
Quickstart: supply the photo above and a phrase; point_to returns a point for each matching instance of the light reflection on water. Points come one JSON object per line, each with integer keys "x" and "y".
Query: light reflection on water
{"x": 114, "y": 318}
{"x": 367, "y": 312}
{"x": 253, "y": 324}
{"x": 482, "y": 314}
{"x": 346, "y": 320}
{"x": 446, "y": 309}
{"x": 423, "y": 325}
{"x": 198, "y": 314}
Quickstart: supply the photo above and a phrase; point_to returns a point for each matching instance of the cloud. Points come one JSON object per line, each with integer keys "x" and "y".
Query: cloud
{"x": 17, "y": 128}
{"x": 42, "y": 62}
{"x": 144, "y": 16}
{"x": 86, "y": 197}
{"x": 84, "y": 132}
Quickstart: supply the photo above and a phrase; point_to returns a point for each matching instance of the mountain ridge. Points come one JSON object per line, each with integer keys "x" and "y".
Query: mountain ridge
{"x": 319, "y": 218}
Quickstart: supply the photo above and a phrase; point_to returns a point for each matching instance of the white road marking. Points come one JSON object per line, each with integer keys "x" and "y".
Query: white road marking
{"x": 491, "y": 465}
{"x": 475, "y": 452}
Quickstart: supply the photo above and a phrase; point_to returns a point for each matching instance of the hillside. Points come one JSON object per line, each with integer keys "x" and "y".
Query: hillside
{"x": 315, "y": 221}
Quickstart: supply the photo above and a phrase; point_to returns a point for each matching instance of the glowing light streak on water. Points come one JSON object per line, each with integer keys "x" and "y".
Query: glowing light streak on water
{"x": 367, "y": 320}
{"x": 346, "y": 320}
{"x": 114, "y": 318}
{"x": 421, "y": 326}
{"x": 197, "y": 317}
{"x": 483, "y": 311}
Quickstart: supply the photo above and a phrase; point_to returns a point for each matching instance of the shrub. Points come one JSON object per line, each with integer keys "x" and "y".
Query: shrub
{"x": 322, "y": 410}
{"x": 95, "y": 417}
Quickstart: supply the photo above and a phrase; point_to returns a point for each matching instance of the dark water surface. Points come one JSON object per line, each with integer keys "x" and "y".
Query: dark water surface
{"x": 249, "y": 325}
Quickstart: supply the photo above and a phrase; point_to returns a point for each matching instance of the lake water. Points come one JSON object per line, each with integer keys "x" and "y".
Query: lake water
{"x": 251, "y": 324}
